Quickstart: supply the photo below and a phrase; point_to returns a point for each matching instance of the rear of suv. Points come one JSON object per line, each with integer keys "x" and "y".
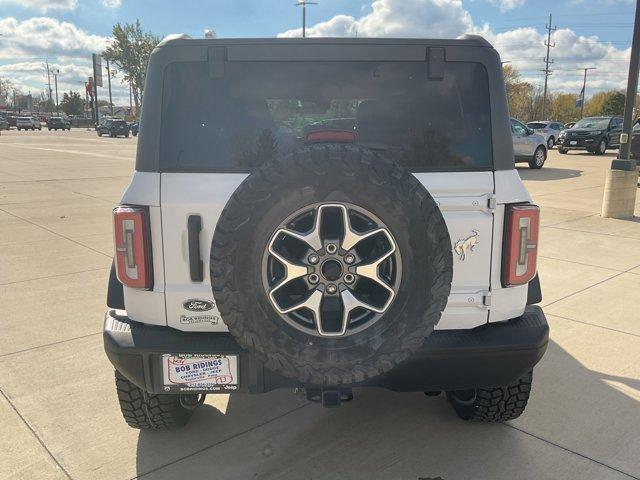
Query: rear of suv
{"x": 324, "y": 214}
{"x": 58, "y": 123}
{"x": 549, "y": 130}
{"x": 113, "y": 127}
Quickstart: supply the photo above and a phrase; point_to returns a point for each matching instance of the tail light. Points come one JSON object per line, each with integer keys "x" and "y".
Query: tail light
{"x": 520, "y": 253}
{"x": 132, "y": 241}
{"x": 342, "y": 136}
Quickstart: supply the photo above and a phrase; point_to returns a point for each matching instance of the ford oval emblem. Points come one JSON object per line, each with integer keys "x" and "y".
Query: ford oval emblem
{"x": 197, "y": 305}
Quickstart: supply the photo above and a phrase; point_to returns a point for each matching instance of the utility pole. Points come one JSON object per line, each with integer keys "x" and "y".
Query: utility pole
{"x": 303, "y": 4}
{"x": 109, "y": 82}
{"x": 584, "y": 89}
{"x": 547, "y": 61}
{"x": 56, "y": 72}
{"x": 49, "y": 82}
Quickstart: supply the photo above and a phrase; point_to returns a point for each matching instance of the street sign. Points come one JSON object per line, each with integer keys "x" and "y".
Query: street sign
{"x": 97, "y": 69}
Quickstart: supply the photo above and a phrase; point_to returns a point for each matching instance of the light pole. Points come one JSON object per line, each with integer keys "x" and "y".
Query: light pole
{"x": 584, "y": 89}
{"x": 56, "y": 72}
{"x": 621, "y": 183}
{"x": 303, "y": 4}
{"x": 109, "y": 82}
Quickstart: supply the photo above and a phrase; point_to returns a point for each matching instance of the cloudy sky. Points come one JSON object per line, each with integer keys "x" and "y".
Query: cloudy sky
{"x": 590, "y": 33}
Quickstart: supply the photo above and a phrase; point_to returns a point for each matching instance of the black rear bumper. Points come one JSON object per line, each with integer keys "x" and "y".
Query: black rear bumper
{"x": 487, "y": 356}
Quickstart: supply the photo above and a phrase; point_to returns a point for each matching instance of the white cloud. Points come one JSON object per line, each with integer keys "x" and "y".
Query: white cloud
{"x": 46, "y": 36}
{"x": 43, "y": 5}
{"x": 523, "y": 46}
{"x": 111, "y": 3}
{"x": 397, "y": 18}
{"x": 506, "y": 5}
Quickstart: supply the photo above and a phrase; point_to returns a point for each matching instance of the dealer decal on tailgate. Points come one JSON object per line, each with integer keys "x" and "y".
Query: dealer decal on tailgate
{"x": 200, "y": 372}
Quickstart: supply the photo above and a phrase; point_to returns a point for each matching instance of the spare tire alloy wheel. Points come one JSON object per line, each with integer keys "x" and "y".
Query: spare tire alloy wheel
{"x": 331, "y": 265}
{"x": 346, "y": 276}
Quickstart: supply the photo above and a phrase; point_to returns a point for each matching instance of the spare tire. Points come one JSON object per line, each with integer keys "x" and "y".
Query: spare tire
{"x": 332, "y": 265}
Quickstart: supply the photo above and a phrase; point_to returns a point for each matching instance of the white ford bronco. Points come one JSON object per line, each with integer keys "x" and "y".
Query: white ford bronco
{"x": 321, "y": 215}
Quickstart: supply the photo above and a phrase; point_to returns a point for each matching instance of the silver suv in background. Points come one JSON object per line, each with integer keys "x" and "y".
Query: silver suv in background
{"x": 528, "y": 146}
{"x": 28, "y": 123}
{"x": 549, "y": 130}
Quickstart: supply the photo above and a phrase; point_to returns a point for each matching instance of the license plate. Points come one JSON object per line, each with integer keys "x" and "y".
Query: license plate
{"x": 573, "y": 142}
{"x": 191, "y": 372}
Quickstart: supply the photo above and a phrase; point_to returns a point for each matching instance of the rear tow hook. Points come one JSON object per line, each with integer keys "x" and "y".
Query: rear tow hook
{"x": 329, "y": 397}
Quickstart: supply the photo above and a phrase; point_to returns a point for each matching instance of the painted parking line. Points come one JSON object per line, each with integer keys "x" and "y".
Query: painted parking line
{"x": 73, "y": 152}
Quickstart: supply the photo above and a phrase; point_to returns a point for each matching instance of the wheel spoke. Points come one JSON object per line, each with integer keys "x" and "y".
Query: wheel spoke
{"x": 292, "y": 272}
{"x": 311, "y": 238}
{"x": 350, "y": 303}
{"x": 312, "y": 302}
{"x": 370, "y": 271}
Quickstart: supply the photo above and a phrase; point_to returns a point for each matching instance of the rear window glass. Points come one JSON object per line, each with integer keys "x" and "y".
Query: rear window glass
{"x": 536, "y": 125}
{"x": 261, "y": 110}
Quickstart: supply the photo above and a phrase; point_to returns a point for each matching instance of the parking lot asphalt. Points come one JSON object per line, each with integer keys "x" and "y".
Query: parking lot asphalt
{"x": 58, "y": 408}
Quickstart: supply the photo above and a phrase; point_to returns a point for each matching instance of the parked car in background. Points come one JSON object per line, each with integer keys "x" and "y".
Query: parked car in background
{"x": 593, "y": 134}
{"x": 12, "y": 119}
{"x": 549, "y": 130}
{"x": 113, "y": 127}
{"x": 135, "y": 126}
{"x": 4, "y": 124}
{"x": 528, "y": 146}
{"x": 28, "y": 123}
{"x": 58, "y": 123}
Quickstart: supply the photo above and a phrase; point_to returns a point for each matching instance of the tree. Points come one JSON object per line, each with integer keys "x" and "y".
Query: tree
{"x": 614, "y": 104}
{"x": 519, "y": 93}
{"x": 72, "y": 103}
{"x": 8, "y": 92}
{"x": 594, "y": 106}
{"x": 42, "y": 103}
{"x": 562, "y": 107}
{"x": 129, "y": 51}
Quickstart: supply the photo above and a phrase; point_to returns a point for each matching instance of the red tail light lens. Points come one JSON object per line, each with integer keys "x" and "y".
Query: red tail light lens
{"x": 343, "y": 136}
{"x": 132, "y": 241}
{"x": 520, "y": 253}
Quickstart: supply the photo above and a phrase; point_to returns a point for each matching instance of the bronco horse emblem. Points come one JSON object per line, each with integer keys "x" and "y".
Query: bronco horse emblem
{"x": 465, "y": 245}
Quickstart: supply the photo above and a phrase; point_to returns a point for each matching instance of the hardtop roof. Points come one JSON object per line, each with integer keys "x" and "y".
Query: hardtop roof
{"x": 464, "y": 40}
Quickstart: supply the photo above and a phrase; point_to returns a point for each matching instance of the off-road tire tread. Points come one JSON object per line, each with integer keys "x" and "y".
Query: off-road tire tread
{"x": 312, "y": 160}
{"x": 146, "y": 411}
{"x": 497, "y": 404}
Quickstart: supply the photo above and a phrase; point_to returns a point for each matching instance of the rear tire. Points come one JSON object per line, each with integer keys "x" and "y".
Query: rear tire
{"x": 601, "y": 148}
{"x": 492, "y": 404}
{"x": 539, "y": 157}
{"x": 147, "y": 411}
{"x": 562, "y": 150}
{"x": 551, "y": 142}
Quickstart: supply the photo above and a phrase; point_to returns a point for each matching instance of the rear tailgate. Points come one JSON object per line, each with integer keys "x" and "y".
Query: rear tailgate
{"x": 465, "y": 198}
